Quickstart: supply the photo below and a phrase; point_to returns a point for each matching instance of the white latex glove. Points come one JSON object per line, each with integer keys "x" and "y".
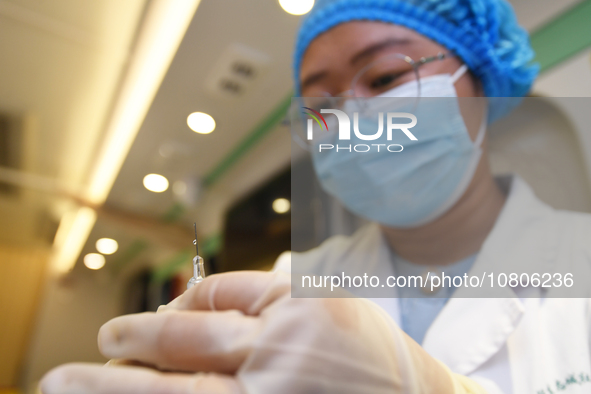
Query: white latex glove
{"x": 252, "y": 337}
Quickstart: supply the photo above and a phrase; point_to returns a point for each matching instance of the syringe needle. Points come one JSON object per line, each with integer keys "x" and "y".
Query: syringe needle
{"x": 195, "y": 241}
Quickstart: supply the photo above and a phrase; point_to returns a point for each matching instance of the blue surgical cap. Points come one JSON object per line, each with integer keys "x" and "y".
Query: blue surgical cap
{"x": 483, "y": 33}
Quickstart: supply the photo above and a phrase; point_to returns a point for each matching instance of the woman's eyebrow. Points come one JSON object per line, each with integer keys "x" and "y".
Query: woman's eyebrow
{"x": 377, "y": 47}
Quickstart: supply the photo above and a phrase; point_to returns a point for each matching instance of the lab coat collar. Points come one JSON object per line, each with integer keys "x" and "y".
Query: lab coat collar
{"x": 469, "y": 331}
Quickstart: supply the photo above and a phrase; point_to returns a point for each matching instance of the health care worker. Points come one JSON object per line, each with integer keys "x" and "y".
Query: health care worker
{"x": 243, "y": 333}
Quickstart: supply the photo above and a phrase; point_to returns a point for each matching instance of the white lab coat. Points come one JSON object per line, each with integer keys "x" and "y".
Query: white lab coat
{"x": 509, "y": 345}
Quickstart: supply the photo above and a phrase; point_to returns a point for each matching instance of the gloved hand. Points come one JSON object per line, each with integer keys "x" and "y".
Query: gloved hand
{"x": 243, "y": 333}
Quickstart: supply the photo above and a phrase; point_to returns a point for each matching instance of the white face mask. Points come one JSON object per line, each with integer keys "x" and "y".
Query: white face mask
{"x": 419, "y": 184}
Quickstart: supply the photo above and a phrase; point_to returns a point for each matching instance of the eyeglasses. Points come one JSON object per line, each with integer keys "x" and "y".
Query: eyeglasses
{"x": 378, "y": 77}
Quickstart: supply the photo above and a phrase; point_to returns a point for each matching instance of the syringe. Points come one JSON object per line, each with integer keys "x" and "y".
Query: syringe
{"x": 198, "y": 268}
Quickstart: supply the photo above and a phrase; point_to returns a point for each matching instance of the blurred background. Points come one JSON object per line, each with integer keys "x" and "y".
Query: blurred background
{"x": 122, "y": 123}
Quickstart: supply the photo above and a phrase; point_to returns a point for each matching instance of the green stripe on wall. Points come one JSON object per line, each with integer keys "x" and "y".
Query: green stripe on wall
{"x": 563, "y": 37}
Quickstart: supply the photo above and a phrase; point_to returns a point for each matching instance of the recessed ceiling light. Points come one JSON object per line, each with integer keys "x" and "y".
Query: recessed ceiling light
{"x": 201, "y": 122}
{"x": 281, "y": 205}
{"x": 296, "y": 7}
{"x": 107, "y": 246}
{"x": 94, "y": 261}
{"x": 155, "y": 183}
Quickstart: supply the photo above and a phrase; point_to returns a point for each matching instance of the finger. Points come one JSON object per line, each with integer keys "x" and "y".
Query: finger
{"x": 181, "y": 340}
{"x": 162, "y": 308}
{"x": 93, "y": 379}
{"x": 246, "y": 291}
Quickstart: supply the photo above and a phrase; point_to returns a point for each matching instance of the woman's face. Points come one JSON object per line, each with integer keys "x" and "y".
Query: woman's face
{"x": 334, "y": 58}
